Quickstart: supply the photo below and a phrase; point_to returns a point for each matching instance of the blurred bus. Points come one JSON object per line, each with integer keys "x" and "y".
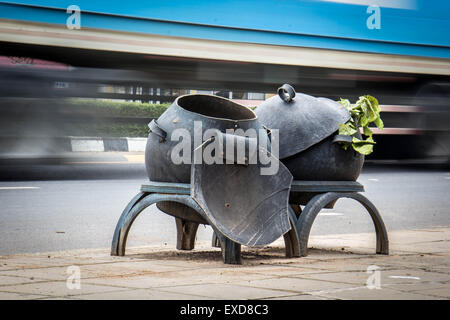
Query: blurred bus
{"x": 397, "y": 51}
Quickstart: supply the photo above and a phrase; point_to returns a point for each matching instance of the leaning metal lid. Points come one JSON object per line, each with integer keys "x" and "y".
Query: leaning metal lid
{"x": 302, "y": 120}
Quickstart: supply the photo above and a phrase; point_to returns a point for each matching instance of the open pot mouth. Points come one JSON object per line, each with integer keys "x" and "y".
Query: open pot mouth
{"x": 215, "y": 107}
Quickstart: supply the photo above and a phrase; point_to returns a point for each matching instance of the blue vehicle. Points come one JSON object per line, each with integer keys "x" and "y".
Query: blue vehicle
{"x": 398, "y": 51}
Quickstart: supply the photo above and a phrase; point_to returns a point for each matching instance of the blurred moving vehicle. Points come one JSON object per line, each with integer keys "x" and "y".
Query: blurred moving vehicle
{"x": 397, "y": 51}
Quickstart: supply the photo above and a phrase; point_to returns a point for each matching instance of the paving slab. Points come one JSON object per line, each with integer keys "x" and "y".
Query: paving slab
{"x": 443, "y": 292}
{"x": 277, "y": 270}
{"x": 45, "y": 273}
{"x": 186, "y": 277}
{"x": 336, "y": 268}
{"x": 142, "y": 294}
{"x": 8, "y": 281}
{"x": 435, "y": 240}
{"x": 332, "y": 264}
{"x": 425, "y": 287}
{"x": 57, "y": 289}
{"x": 296, "y": 285}
{"x": 399, "y": 276}
{"x": 19, "y": 296}
{"x": 124, "y": 268}
{"x": 299, "y": 297}
{"x": 227, "y": 291}
{"x": 363, "y": 293}
{"x": 58, "y": 298}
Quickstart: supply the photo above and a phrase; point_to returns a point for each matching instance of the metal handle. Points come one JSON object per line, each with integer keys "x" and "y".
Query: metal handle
{"x": 156, "y": 129}
{"x": 286, "y": 92}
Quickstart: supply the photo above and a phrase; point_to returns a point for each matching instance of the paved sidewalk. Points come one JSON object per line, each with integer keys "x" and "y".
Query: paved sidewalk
{"x": 336, "y": 268}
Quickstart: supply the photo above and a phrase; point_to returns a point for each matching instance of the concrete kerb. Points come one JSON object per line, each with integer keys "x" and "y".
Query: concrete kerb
{"x": 98, "y": 144}
{"x": 20, "y": 145}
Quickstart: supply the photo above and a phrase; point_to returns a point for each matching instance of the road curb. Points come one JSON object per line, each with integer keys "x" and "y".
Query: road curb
{"x": 96, "y": 144}
{"x": 25, "y": 145}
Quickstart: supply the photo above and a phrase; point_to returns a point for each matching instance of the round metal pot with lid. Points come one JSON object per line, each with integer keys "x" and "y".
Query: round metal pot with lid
{"x": 308, "y": 136}
{"x": 236, "y": 196}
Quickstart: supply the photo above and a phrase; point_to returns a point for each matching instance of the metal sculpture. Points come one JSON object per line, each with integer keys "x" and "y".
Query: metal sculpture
{"x": 242, "y": 205}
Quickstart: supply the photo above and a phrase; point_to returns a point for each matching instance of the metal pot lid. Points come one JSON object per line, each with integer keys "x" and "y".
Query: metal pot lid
{"x": 302, "y": 120}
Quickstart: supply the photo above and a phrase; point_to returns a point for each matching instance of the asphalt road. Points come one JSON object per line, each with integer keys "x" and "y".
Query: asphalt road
{"x": 73, "y": 206}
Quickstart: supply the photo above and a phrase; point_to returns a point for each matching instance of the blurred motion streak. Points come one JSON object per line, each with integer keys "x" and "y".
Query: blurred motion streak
{"x": 111, "y": 77}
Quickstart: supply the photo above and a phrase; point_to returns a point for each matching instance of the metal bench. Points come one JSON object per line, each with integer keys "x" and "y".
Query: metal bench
{"x": 314, "y": 195}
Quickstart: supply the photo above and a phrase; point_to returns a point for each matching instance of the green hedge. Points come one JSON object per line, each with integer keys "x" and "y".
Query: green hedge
{"x": 107, "y": 130}
{"x": 104, "y": 126}
{"x": 117, "y": 108}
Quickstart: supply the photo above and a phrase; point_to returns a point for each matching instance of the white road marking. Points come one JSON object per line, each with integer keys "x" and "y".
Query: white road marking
{"x": 372, "y": 179}
{"x": 18, "y": 188}
{"x": 404, "y": 277}
{"x": 335, "y": 290}
{"x": 330, "y": 214}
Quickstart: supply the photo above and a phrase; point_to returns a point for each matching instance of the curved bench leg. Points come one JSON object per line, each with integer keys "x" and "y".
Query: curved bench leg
{"x": 115, "y": 242}
{"x": 317, "y": 203}
{"x": 231, "y": 251}
{"x": 215, "y": 242}
{"x": 134, "y": 208}
{"x": 186, "y": 232}
{"x": 291, "y": 238}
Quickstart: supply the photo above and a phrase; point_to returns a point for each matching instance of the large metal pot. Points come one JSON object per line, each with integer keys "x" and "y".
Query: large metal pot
{"x": 239, "y": 201}
{"x": 212, "y": 111}
{"x": 326, "y": 160}
{"x": 308, "y": 127}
